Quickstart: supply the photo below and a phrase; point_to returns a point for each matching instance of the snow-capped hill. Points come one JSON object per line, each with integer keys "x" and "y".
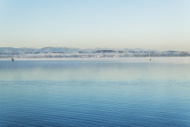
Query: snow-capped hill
{"x": 60, "y": 52}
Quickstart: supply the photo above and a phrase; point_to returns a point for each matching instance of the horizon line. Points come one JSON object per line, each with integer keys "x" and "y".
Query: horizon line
{"x": 91, "y": 48}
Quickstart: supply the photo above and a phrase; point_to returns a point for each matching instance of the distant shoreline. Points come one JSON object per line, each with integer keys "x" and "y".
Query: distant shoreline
{"x": 64, "y": 53}
{"x": 103, "y": 58}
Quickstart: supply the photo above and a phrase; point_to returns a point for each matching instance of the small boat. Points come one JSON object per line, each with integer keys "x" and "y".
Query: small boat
{"x": 12, "y": 59}
{"x": 149, "y": 57}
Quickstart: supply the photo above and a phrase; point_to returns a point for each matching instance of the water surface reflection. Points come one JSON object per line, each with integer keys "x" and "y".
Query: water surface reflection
{"x": 94, "y": 93}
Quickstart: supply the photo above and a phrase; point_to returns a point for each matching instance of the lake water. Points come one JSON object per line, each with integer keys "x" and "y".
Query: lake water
{"x": 129, "y": 92}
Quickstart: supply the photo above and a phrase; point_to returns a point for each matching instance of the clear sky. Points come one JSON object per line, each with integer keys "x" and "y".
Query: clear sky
{"x": 147, "y": 24}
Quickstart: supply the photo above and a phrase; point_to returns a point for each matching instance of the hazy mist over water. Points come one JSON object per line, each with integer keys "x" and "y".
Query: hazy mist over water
{"x": 124, "y": 69}
{"x": 95, "y": 92}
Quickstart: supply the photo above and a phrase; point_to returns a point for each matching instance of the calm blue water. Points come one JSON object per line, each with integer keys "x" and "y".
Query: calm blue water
{"x": 95, "y": 93}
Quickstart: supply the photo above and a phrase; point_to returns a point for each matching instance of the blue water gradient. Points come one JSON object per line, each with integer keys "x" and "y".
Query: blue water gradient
{"x": 94, "y": 93}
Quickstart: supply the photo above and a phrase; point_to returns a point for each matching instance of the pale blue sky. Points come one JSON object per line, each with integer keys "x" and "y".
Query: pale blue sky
{"x": 147, "y": 24}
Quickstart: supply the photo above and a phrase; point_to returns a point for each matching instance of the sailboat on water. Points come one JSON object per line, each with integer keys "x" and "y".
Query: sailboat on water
{"x": 12, "y": 59}
{"x": 149, "y": 57}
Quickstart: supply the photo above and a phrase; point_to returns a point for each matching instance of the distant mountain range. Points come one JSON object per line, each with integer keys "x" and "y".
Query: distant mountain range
{"x": 63, "y": 52}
